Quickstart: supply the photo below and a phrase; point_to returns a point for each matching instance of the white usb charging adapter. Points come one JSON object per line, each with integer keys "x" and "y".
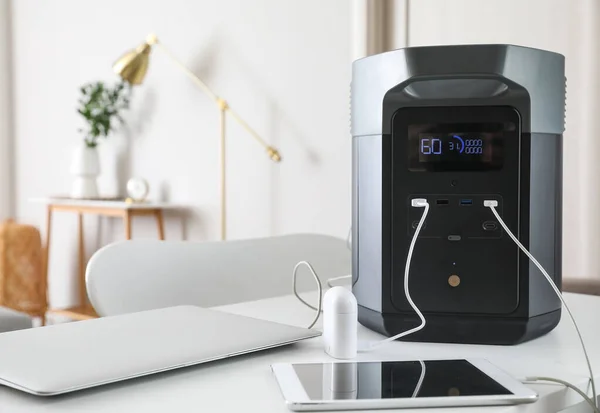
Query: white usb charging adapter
{"x": 340, "y": 323}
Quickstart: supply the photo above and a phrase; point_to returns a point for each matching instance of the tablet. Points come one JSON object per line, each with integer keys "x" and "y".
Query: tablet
{"x": 398, "y": 385}
{"x": 62, "y": 358}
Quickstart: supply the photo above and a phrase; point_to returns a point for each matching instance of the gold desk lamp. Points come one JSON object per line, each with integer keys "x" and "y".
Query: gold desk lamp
{"x": 132, "y": 67}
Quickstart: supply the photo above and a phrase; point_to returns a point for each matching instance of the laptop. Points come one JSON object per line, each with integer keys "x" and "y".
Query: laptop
{"x": 62, "y": 358}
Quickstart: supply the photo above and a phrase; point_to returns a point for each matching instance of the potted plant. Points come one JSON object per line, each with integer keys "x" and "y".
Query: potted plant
{"x": 101, "y": 106}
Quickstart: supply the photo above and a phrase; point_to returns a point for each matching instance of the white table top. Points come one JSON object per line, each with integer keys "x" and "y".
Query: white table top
{"x": 246, "y": 384}
{"x": 98, "y": 203}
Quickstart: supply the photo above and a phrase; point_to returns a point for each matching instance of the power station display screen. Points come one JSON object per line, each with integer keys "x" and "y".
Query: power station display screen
{"x": 456, "y": 147}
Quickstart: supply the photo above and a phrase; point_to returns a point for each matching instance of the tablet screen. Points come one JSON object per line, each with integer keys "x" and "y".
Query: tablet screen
{"x": 395, "y": 379}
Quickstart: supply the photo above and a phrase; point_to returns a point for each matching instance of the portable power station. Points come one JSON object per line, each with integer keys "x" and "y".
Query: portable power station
{"x": 458, "y": 125}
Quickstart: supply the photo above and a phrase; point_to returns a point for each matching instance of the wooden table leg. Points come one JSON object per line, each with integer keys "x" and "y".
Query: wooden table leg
{"x": 46, "y": 259}
{"x": 81, "y": 248}
{"x": 127, "y": 223}
{"x": 160, "y": 224}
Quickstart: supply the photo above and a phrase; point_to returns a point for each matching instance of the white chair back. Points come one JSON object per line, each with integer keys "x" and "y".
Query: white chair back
{"x": 141, "y": 275}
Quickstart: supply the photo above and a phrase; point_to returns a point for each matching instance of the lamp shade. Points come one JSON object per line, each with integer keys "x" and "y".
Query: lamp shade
{"x": 133, "y": 65}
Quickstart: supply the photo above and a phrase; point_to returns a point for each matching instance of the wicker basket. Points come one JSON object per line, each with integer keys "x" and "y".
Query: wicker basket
{"x": 22, "y": 278}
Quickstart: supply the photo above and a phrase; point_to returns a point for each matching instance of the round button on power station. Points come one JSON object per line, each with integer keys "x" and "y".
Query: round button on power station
{"x": 454, "y": 280}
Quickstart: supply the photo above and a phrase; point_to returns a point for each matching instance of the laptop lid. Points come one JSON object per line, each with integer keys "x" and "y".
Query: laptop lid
{"x": 62, "y": 358}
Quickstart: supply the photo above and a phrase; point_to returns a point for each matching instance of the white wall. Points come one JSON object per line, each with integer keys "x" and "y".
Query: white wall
{"x": 284, "y": 66}
{"x": 569, "y": 27}
{"x": 6, "y": 196}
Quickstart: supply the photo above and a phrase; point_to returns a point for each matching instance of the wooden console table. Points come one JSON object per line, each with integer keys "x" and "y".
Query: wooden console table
{"x": 119, "y": 209}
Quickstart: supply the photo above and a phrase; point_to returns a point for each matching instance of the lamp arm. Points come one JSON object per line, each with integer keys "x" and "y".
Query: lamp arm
{"x": 223, "y": 105}
{"x": 188, "y": 72}
{"x": 247, "y": 127}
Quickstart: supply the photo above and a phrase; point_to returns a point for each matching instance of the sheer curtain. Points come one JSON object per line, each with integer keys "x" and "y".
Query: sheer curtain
{"x": 6, "y": 190}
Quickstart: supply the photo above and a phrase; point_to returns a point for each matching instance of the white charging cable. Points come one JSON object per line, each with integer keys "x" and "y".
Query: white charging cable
{"x": 421, "y": 378}
{"x": 537, "y": 380}
{"x": 343, "y": 277}
{"x": 418, "y": 203}
{"x": 318, "y": 281}
{"x": 319, "y": 307}
{"x": 492, "y": 205}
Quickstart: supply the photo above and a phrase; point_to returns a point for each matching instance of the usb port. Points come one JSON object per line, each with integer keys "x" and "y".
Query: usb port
{"x": 442, "y": 202}
{"x": 489, "y": 226}
{"x": 466, "y": 202}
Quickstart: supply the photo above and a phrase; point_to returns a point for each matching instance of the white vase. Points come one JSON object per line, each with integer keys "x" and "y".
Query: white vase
{"x": 85, "y": 166}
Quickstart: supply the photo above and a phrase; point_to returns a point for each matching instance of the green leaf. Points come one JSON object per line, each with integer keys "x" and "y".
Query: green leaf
{"x": 100, "y": 106}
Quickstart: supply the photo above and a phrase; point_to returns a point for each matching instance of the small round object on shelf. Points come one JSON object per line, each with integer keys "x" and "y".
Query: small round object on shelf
{"x": 138, "y": 189}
